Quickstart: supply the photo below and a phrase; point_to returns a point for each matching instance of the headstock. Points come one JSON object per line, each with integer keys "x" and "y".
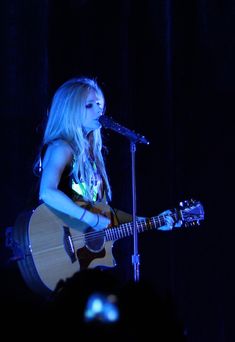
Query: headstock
{"x": 191, "y": 212}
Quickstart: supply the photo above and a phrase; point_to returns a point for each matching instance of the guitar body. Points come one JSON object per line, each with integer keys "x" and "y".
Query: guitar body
{"x": 55, "y": 246}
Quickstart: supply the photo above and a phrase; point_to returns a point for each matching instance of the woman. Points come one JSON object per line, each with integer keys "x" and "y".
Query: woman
{"x": 71, "y": 161}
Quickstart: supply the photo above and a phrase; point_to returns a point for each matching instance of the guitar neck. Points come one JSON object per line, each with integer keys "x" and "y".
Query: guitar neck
{"x": 126, "y": 229}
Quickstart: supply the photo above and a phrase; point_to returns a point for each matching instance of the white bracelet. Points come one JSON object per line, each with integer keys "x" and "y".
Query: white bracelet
{"x": 83, "y": 214}
{"x": 98, "y": 218}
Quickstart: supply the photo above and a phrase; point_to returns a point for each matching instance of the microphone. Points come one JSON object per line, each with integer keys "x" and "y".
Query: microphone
{"x": 108, "y": 122}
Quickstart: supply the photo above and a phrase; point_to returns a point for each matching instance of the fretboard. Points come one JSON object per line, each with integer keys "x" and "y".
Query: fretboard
{"x": 126, "y": 229}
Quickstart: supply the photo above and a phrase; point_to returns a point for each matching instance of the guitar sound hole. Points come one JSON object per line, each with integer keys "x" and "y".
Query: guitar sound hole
{"x": 94, "y": 240}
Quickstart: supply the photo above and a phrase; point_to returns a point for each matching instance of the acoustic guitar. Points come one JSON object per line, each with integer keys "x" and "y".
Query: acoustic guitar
{"x": 54, "y": 245}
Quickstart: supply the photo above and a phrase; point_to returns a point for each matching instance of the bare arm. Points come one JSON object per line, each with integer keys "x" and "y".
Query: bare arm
{"x": 57, "y": 156}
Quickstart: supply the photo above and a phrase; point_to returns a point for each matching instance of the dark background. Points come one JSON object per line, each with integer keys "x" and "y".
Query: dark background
{"x": 167, "y": 70}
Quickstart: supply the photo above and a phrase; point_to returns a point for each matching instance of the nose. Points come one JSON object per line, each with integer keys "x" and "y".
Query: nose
{"x": 100, "y": 111}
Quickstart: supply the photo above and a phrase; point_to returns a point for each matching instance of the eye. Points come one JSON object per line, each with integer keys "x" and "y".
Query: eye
{"x": 89, "y": 105}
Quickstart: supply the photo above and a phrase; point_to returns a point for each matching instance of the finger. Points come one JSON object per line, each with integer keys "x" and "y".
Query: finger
{"x": 169, "y": 220}
{"x": 167, "y": 212}
{"x": 178, "y": 224}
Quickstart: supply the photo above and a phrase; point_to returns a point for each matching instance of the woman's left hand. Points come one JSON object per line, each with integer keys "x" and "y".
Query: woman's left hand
{"x": 169, "y": 220}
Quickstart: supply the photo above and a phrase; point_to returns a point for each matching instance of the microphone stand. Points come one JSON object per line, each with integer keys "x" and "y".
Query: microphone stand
{"x": 134, "y": 138}
{"x": 135, "y": 256}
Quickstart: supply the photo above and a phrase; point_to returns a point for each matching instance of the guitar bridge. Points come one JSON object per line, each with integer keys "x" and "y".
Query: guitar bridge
{"x": 68, "y": 244}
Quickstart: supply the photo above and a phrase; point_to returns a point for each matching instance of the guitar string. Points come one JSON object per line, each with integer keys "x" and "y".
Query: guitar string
{"x": 127, "y": 228}
{"x": 88, "y": 237}
{"x": 159, "y": 220}
{"x": 121, "y": 229}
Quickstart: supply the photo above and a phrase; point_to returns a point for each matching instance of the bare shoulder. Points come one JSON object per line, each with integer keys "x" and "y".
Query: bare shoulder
{"x": 59, "y": 152}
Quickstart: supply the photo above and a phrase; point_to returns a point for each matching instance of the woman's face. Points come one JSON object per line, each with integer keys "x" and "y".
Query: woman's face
{"x": 94, "y": 109}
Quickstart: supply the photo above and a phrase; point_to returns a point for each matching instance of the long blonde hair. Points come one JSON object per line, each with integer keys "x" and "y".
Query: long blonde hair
{"x": 65, "y": 121}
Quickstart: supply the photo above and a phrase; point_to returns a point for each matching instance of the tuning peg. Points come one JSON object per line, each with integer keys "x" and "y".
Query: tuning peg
{"x": 183, "y": 204}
